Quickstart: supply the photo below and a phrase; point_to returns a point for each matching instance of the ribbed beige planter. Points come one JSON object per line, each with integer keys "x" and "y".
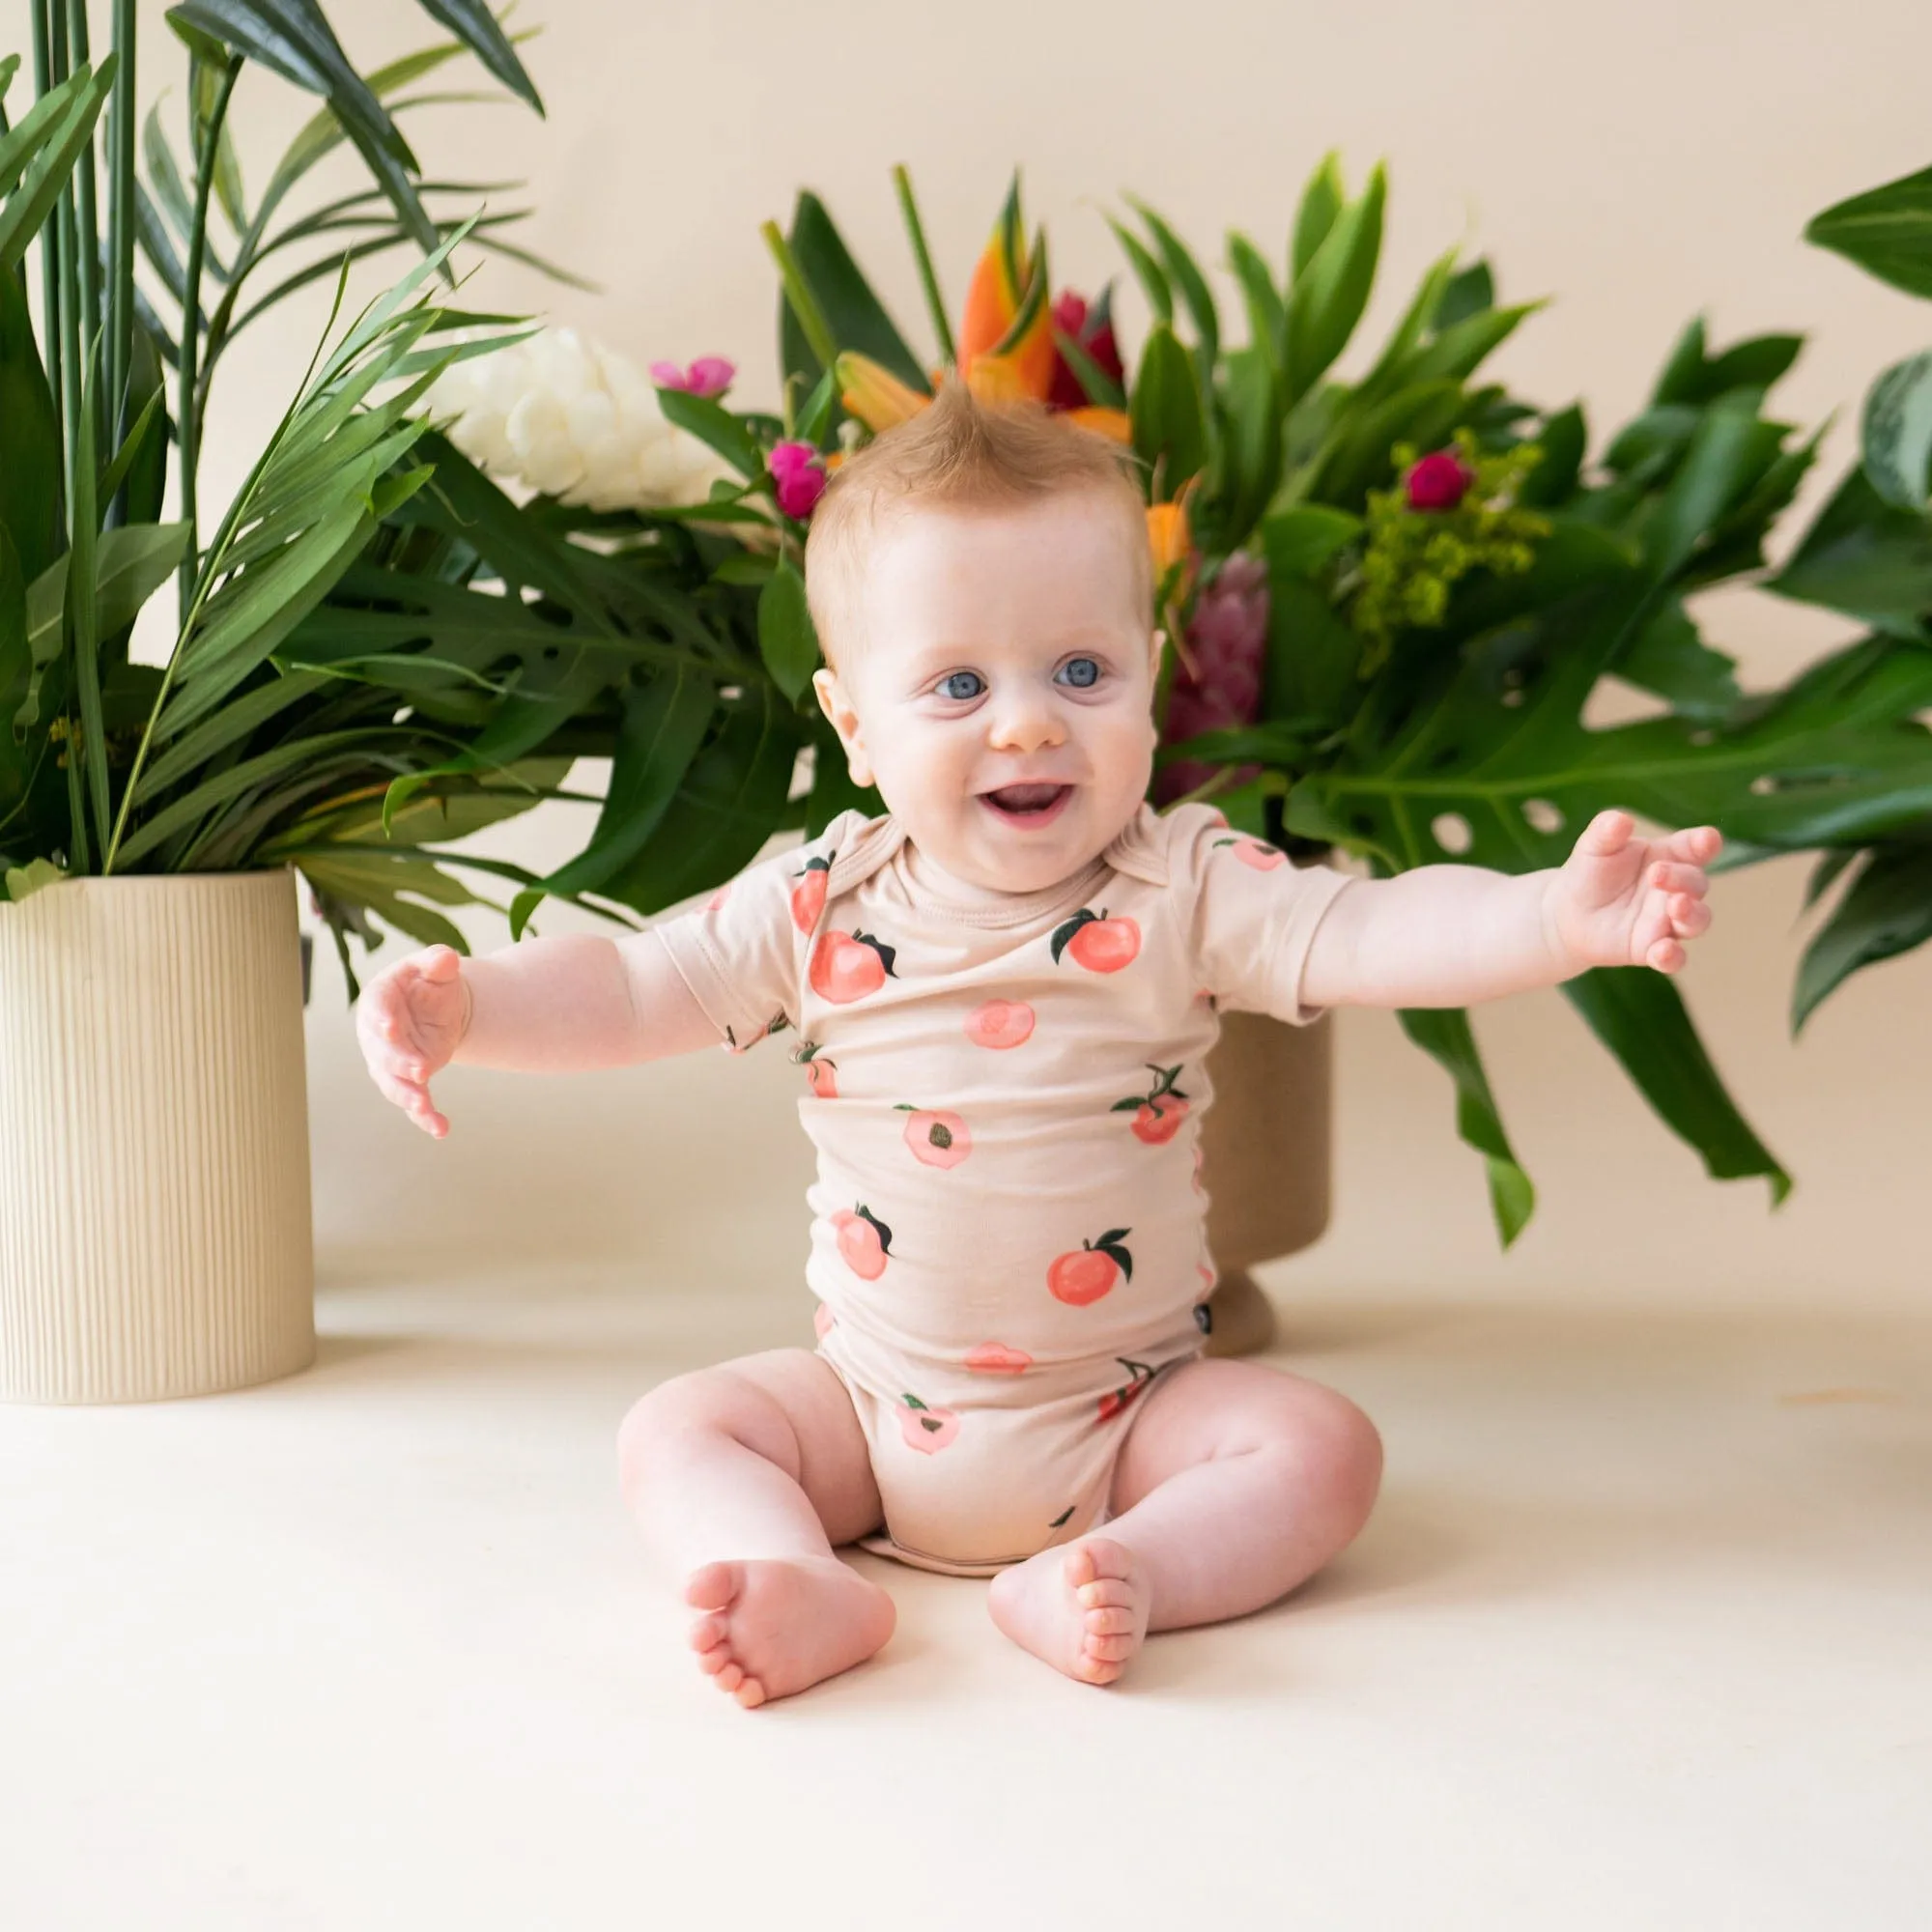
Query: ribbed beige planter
{"x": 1265, "y": 1162}
{"x": 155, "y": 1224}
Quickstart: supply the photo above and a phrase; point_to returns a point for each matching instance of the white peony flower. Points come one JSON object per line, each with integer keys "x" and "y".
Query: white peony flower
{"x": 575, "y": 421}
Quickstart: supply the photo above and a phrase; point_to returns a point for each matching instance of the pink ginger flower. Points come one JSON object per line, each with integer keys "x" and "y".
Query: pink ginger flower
{"x": 708, "y": 375}
{"x": 1227, "y": 638}
{"x": 800, "y": 477}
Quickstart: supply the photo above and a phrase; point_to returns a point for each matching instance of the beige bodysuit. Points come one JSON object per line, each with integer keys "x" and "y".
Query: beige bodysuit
{"x": 1009, "y": 1240}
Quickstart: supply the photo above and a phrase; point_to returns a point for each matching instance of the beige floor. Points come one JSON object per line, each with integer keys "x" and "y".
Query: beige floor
{"x": 1638, "y": 1637}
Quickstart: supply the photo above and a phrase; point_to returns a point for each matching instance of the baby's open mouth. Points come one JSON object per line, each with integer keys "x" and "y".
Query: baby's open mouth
{"x": 1028, "y": 801}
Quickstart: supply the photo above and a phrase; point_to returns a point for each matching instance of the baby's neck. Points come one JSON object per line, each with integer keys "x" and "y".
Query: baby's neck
{"x": 933, "y": 879}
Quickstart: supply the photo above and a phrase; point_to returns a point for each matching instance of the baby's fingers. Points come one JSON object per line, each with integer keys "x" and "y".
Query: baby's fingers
{"x": 413, "y": 1099}
{"x": 1689, "y": 917}
{"x": 1669, "y": 878}
{"x": 1697, "y": 843}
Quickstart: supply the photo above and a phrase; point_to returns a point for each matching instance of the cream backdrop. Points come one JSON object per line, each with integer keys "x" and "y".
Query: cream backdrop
{"x": 1637, "y": 163}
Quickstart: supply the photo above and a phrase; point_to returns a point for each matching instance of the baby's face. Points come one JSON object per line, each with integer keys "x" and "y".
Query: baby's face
{"x": 999, "y": 647}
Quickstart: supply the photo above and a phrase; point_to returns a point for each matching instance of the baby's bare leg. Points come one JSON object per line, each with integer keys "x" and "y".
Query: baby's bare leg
{"x": 742, "y": 1478}
{"x": 1237, "y": 1481}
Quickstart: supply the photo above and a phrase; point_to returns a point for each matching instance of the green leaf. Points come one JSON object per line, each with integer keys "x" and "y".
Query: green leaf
{"x": 31, "y": 472}
{"x": 1268, "y": 313}
{"x": 475, "y": 26}
{"x": 1361, "y": 458}
{"x": 1865, "y": 557}
{"x": 1300, "y": 541}
{"x": 1897, "y": 433}
{"x": 1148, "y": 273}
{"x": 1563, "y": 440}
{"x": 716, "y": 427}
{"x": 1332, "y": 291}
{"x": 1248, "y": 448}
{"x": 377, "y": 881}
{"x": 1728, "y": 453}
{"x": 786, "y": 640}
{"x": 857, "y": 318}
{"x": 1681, "y": 375}
{"x": 1887, "y": 232}
{"x": 1100, "y": 387}
{"x": 22, "y": 881}
{"x": 1165, "y": 410}
{"x": 1322, "y": 203}
{"x": 45, "y": 173}
{"x": 1459, "y": 351}
{"x": 1444, "y": 1033}
{"x": 1312, "y": 653}
{"x": 1639, "y": 1016}
{"x": 82, "y": 602}
{"x": 725, "y": 809}
{"x": 1419, "y": 319}
{"x": 1887, "y": 911}
{"x": 1670, "y": 660}
{"x": 1186, "y": 275}
{"x": 664, "y": 724}
{"x": 294, "y": 40}
{"x": 1466, "y": 295}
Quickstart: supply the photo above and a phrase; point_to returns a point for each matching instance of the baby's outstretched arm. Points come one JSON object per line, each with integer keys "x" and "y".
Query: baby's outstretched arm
{"x": 1453, "y": 935}
{"x": 566, "y": 1004}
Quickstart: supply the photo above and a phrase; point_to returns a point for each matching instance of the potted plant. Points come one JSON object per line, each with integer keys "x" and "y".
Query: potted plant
{"x": 157, "y": 1212}
{"x": 1391, "y": 596}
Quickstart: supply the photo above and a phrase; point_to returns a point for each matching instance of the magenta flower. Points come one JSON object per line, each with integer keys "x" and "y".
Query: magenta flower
{"x": 798, "y": 475}
{"x": 1226, "y": 639}
{"x": 1439, "y": 481}
{"x": 708, "y": 375}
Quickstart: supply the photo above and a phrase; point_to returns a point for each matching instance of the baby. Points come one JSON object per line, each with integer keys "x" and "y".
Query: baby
{"x": 1004, "y": 990}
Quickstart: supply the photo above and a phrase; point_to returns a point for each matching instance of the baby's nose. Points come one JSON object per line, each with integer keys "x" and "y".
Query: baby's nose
{"x": 1022, "y": 722}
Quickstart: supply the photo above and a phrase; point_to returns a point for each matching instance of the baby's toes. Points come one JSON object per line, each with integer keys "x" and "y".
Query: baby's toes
{"x": 750, "y": 1694}
{"x": 1118, "y": 1621}
{"x": 1110, "y": 1649}
{"x": 1106, "y": 1593}
{"x": 1096, "y": 1669}
{"x": 729, "y": 1675}
{"x": 708, "y": 1632}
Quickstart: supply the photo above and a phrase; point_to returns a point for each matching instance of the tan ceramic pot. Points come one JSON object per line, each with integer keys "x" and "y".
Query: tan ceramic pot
{"x": 1264, "y": 1161}
{"x": 155, "y": 1224}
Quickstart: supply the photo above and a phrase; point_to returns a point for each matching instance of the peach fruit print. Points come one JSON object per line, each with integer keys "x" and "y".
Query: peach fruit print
{"x": 846, "y": 966}
{"x": 1100, "y": 943}
{"x": 820, "y": 1073}
{"x": 808, "y": 896}
{"x": 1255, "y": 852}
{"x": 1091, "y": 1270}
{"x": 864, "y": 1241}
{"x": 1115, "y": 1400}
{"x": 938, "y": 1138}
{"x": 1158, "y": 1112}
{"x": 995, "y": 1358}
{"x": 1000, "y": 1023}
{"x": 926, "y": 1429}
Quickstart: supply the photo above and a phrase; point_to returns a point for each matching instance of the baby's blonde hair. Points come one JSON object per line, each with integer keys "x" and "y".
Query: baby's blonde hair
{"x": 959, "y": 452}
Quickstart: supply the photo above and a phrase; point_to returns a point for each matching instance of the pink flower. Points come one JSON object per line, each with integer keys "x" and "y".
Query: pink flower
{"x": 798, "y": 475}
{"x": 708, "y": 375}
{"x": 1439, "y": 481}
{"x": 1226, "y": 639}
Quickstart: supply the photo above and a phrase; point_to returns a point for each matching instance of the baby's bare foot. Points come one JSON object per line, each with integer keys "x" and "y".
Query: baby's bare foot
{"x": 1080, "y": 1607}
{"x": 775, "y": 1626}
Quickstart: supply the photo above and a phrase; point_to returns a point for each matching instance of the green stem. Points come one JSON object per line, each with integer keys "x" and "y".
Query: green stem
{"x": 188, "y": 422}
{"x": 69, "y": 293}
{"x": 87, "y": 225}
{"x": 935, "y": 302}
{"x": 798, "y": 292}
{"x": 121, "y": 240}
{"x": 44, "y": 82}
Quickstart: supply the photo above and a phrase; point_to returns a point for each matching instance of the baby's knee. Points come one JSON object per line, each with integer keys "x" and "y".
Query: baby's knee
{"x": 671, "y": 1421}
{"x": 1344, "y": 1457}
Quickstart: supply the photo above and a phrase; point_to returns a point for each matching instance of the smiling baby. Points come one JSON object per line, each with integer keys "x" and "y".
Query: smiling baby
{"x": 990, "y": 989}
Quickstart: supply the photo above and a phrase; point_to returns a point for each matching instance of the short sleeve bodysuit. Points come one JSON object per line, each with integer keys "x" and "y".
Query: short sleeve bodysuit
{"x": 1008, "y": 1240}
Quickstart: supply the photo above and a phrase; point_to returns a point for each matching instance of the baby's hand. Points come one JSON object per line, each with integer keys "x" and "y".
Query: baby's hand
{"x": 408, "y": 1021}
{"x": 1620, "y": 900}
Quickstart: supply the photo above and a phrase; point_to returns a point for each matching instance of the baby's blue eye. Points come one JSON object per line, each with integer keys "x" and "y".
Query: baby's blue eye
{"x": 1089, "y": 667}
{"x": 954, "y": 679}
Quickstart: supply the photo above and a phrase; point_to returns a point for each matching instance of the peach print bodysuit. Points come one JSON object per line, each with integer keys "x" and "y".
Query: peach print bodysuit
{"x": 1008, "y": 1240}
